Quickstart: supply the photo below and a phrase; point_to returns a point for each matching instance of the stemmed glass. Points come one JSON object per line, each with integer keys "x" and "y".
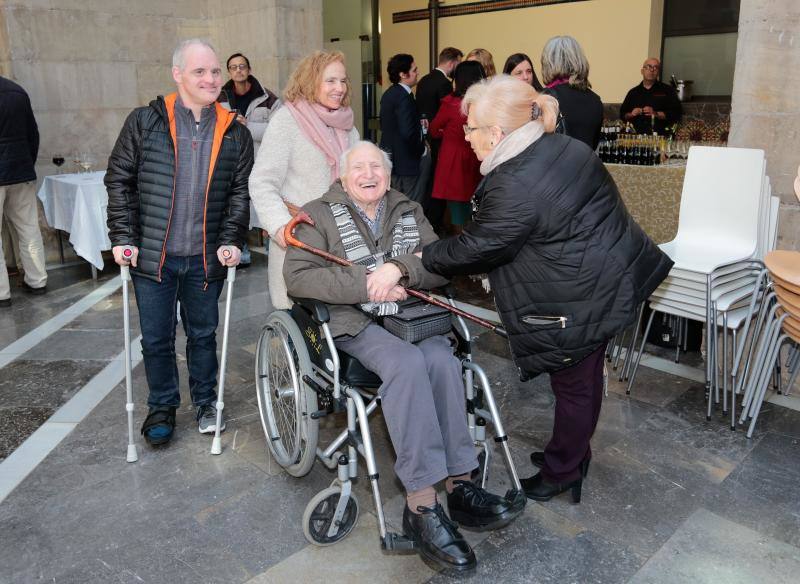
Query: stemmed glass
{"x": 86, "y": 162}
{"x": 58, "y": 160}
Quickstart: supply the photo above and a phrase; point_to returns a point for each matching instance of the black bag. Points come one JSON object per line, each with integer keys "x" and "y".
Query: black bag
{"x": 418, "y": 320}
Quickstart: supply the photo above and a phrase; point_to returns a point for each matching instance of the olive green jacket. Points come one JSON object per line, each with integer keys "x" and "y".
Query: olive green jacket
{"x": 342, "y": 287}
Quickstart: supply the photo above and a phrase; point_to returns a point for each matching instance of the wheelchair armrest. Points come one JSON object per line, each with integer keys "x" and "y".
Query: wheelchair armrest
{"x": 317, "y": 309}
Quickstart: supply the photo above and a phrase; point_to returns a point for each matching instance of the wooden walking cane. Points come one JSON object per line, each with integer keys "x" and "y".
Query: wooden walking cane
{"x": 303, "y": 217}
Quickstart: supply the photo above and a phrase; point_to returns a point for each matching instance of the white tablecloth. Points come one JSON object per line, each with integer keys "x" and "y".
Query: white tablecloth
{"x": 76, "y": 203}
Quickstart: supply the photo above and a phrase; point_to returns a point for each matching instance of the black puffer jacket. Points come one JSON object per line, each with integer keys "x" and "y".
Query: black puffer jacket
{"x": 19, "y": 135}
{"x": 141, "y": 179}
{"x": 557, "y": 242}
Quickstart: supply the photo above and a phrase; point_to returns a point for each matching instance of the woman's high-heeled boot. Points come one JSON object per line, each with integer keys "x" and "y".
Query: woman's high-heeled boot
{"x": 537, "y": 458}
{"x": 538, "y": 489}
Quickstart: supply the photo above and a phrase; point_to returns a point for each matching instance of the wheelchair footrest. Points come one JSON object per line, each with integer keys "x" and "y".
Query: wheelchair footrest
{"x": 397, "y": 543}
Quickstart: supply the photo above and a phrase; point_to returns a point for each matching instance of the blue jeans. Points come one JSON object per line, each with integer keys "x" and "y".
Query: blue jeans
{"x": 182, "y": 279}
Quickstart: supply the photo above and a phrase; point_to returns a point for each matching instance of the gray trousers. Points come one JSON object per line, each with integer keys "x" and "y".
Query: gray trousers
{"x": 423, "y": 402}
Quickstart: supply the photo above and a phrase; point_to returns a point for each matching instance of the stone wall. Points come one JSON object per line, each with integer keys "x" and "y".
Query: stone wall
{"x": 766, "y": 104}
{"x": 87, "y": 63}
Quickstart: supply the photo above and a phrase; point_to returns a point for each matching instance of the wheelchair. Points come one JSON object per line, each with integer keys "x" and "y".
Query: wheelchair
{"x": 302, "y": 377}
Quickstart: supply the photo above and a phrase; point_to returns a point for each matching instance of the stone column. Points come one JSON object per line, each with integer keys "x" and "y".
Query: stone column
{"x": 766, "y": 105}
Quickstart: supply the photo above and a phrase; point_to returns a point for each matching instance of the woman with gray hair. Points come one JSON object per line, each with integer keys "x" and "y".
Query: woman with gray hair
{"x": 567, "y": 263}
{"x": 380, "y": 230}
{"x": 565, "y": 72}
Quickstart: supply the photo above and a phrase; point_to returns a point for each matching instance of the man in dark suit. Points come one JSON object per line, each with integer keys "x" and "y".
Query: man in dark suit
{"x": 430, "y": 91}
{"x": 438, "y": 83}
{"x": 401, "y": 130}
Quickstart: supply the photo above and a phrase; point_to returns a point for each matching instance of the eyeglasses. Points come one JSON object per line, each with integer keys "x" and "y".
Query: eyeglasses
{"x": 468, "y": 130}
{"x": 652, "y": 67}
{"x": 242, "y": 67}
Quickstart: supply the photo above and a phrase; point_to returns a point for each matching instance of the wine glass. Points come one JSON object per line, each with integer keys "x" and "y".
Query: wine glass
{"x": 85, "y": 161}
{"x": 58, "y": 160}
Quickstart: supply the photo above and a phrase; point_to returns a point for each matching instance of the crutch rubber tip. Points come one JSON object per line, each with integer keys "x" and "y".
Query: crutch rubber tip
{"x": 132, "y": 455}
{"x": 708, "y": 418}
{"x": 216, "y": 445}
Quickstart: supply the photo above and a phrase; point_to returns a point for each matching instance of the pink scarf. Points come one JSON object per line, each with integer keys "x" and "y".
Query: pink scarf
{"x": 556, "y": 82}
{"x": 327, "y": 129}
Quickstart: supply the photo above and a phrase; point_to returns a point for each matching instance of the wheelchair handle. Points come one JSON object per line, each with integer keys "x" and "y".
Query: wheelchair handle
{"x": 303, "y": 217}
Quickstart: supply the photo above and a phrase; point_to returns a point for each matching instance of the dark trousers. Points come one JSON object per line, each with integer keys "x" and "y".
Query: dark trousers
{"x": 182, "y": 279}
{"x": 415, "y": 187}
{"x": 579, "y": 394}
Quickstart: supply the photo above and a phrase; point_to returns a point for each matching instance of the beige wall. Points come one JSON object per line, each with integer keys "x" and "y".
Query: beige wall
{"x": 617, "y": 36}
{"x": 87, "y": 63}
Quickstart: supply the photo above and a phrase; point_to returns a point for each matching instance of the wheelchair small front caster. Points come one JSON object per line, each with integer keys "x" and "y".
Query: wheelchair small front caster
{"x": 319, "y": 517}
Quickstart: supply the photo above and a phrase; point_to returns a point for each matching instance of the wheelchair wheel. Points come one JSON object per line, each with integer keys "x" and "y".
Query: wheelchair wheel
{"x": 319, "y": 514}
{"x": 284, "y": 401}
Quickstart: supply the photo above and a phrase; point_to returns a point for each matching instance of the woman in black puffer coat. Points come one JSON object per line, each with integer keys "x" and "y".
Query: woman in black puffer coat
{"x": 567, "y": 263}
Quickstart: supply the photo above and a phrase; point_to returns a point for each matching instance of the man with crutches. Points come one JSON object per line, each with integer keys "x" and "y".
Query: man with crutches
{"x": 178, "y": 211}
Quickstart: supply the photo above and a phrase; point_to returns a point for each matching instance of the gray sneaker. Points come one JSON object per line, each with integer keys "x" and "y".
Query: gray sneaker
{"x": 207, "y": 419}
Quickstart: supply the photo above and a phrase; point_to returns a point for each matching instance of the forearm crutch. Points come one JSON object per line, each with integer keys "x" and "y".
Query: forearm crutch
{"x": 216, "y": 443}
{"x": 303, "y": 217}
{"x": 125, "y": 275}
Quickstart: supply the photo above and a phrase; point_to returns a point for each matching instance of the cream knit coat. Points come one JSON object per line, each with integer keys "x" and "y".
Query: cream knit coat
{"x": 288, "y": 167}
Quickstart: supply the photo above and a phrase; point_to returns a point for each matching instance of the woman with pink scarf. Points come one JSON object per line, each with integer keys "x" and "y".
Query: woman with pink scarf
{"x": 299, "y": 155}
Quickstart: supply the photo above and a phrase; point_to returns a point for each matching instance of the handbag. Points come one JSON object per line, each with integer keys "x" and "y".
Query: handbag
{"x": 417, "y": 320}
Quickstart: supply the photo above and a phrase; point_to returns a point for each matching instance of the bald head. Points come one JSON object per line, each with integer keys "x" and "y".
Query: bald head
{"x": 650, "y": 71}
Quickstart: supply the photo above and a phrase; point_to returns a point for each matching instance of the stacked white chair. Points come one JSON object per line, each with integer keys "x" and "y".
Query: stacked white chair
{"x": 724, "y": 229}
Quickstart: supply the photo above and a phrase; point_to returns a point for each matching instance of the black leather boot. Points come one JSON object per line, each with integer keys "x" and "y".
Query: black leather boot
{"x": 537, "y": 458}
{"x": 437, "y": 539}
{"x": 538, "y": 489}
{"x": 477, "y": 509}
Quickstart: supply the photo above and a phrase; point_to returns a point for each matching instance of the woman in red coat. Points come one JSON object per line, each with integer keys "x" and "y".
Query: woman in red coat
{"x": 457, "y": 169}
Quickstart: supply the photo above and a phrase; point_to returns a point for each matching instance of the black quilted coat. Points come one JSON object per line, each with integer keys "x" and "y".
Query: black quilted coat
{"x": 567, "y": 263}
{"x": 140, "y": 181}
{"x": 19, "y": 135}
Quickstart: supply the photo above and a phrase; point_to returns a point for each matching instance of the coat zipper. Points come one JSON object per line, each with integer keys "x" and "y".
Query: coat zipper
{"x": 545, "y": 320}
{"x": 231, "y": 119}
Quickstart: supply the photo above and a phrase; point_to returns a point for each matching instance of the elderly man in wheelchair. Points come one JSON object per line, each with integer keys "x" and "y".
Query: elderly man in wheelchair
{"x": 328, "y": 351}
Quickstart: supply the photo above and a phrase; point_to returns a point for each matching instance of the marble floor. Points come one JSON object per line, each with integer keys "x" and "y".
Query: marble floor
{"x": 669, "y": 497}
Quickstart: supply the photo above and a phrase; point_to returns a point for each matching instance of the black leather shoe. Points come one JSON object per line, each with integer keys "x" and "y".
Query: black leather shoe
{"x": 477, "y": 509}
{"x": 537, "y": 458}
{"x": 32, "y": 290}
{"x": 538, "y": 489}
{"x": 437, "y": 539}
{"x": 5, "y": 302}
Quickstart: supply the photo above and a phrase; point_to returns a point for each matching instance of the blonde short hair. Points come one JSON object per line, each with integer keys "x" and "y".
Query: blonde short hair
{"x": 307, "y": 76}
{"x": 563, "y": 58}
{"x": 483, "y": 57}
{"x": 507, "y": 102}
